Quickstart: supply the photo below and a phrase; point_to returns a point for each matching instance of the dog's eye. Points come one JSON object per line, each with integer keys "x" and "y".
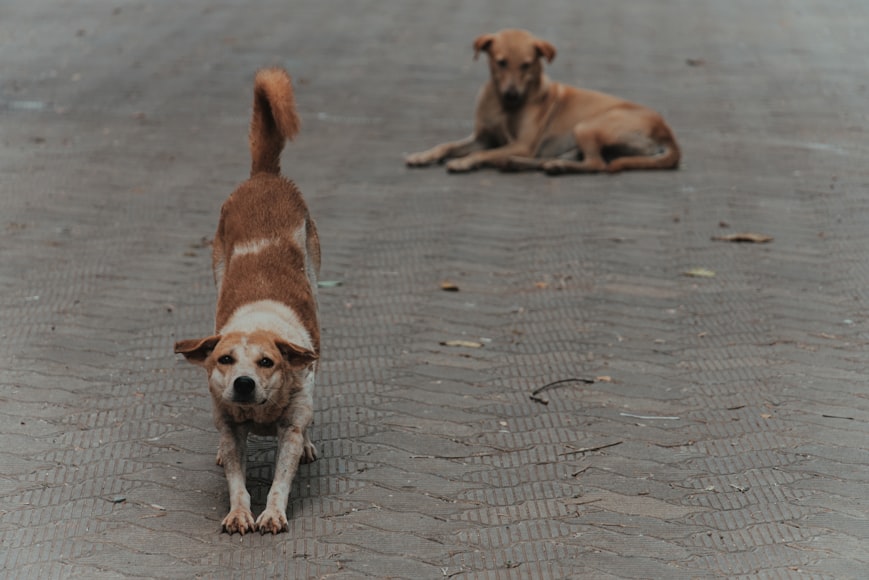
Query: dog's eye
{"x": 266, "y": 362}
{"x": 226, "y": 360}
{"x": 502, "y": 63}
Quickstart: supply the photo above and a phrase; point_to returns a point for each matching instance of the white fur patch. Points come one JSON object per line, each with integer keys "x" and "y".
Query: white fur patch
{"x": 252, "y": 247}
{"x": 272, "y": 316}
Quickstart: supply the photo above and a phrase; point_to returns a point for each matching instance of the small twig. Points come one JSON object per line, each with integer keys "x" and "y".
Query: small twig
{"x": 535, "y": 394}
{"x": 648, "y": 417}
{"x": 587, "y": 449}
{"x": 548, "y": 386}
{"x": 481, "y": 454}
{"x": 837, "y": 417}
{"x": 673, "y": 445}
{"x": 574, "y": 501}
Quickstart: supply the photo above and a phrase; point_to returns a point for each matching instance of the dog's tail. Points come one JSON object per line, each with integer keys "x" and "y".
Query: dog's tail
{"x": 274, "y": 119}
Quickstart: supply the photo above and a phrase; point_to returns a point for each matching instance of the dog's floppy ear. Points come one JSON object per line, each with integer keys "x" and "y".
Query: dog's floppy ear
{"x": 196, "y": 350}
{"x": 296, "y": 356}
{"x": 545, "y": 50}
{"x": 482, "y": 43}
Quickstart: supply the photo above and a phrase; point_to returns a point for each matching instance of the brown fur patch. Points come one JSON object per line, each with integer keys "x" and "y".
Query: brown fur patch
{"x": 267, "y": 207}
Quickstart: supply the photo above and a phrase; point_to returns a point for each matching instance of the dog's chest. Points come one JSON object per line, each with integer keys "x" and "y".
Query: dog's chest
{"x": 503, "y": 127}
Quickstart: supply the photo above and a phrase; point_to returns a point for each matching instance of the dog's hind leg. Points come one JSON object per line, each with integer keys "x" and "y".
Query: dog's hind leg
{"x": 591, "y": 138}
{"x": 656, "y": 151}
{"x": 218, "y": 257}
{"x": 588, "y": 142}
{"x": 630, "y": 138}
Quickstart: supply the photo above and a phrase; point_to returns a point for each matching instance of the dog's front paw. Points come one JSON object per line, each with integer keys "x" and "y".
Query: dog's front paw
{"x": 555, "y": 167}
{"x": 459, "y": 165}
{"x": 421, "y": 159}
{"x": 272, "y": 521}
{"x": 238, "y": 520}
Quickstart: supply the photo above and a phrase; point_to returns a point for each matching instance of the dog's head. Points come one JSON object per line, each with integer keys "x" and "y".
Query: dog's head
{"x": 515, "y": 63}
{"x": 249, "y": 369}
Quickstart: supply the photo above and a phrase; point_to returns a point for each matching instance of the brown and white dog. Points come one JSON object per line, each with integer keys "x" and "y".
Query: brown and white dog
{"x": 524, "y": 121}
{"x": 262, "y": 361}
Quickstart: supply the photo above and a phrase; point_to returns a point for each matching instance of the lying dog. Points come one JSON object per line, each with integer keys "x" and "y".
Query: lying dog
{"x": 262, "y": 361}
{"x": 524, "y": 121}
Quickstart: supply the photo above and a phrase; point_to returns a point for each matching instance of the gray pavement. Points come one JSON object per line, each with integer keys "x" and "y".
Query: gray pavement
{"x": 725, "y": 432}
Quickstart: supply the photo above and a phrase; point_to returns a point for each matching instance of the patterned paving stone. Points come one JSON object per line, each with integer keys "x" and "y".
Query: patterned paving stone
{"x": 723, "y": 433}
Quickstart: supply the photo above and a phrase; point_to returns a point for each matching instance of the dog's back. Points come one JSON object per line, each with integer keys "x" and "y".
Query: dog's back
{"x": 266, "y": 241}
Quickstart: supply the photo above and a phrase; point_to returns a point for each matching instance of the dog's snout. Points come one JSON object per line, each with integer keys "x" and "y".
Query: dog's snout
{"x": 512, "y": 97}
{"x": 244, "y": 387}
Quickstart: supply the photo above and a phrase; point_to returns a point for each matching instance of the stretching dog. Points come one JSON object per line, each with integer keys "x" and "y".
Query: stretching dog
{"x": 524, "y": 121}
{"x": 262, "y": 361}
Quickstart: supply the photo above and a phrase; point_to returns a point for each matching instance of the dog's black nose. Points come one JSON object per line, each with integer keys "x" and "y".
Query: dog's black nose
{"x": 512, "y": 98}
{"x": 244, "y": 387}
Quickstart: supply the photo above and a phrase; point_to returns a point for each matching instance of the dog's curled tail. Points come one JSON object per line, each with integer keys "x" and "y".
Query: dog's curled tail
{"x": 274, "y": 119}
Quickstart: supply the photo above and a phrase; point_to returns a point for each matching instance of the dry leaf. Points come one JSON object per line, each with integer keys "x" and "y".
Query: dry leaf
{"x": 765, "y": 416}
{"x": 749, "y": 237}
{"x": 604, "y": 379}
{"x": 465, "y": 343}
{"x": 699, "y": 273}
{"x": 448, "y": 286}
{"x": 541, "y": 285}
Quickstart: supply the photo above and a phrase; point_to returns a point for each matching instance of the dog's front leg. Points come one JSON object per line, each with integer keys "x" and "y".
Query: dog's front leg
{"x": 232, "y": 452}
{"x": 517, "y": 163}
{"x": 498, "y": 157}
{"x": 444, "y": 151}
{"x": 292, "y": 443}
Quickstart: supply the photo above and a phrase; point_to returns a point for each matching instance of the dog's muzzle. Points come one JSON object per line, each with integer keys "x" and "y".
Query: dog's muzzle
{"x": 243, "y": 389}
{"x": 511, "y": 99}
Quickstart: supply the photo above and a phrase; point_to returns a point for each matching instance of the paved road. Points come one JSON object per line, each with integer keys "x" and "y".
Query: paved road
{"x": 725, "y": 432}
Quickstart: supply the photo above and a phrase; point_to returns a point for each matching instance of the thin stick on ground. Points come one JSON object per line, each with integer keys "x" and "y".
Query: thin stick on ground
{"x": 589, "y": 449}
{"x": 535, "y": 394}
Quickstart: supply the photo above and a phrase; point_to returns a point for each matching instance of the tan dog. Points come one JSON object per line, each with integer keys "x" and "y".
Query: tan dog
{"x": 525, "y": 121}
{"x": 262, "y": 361}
